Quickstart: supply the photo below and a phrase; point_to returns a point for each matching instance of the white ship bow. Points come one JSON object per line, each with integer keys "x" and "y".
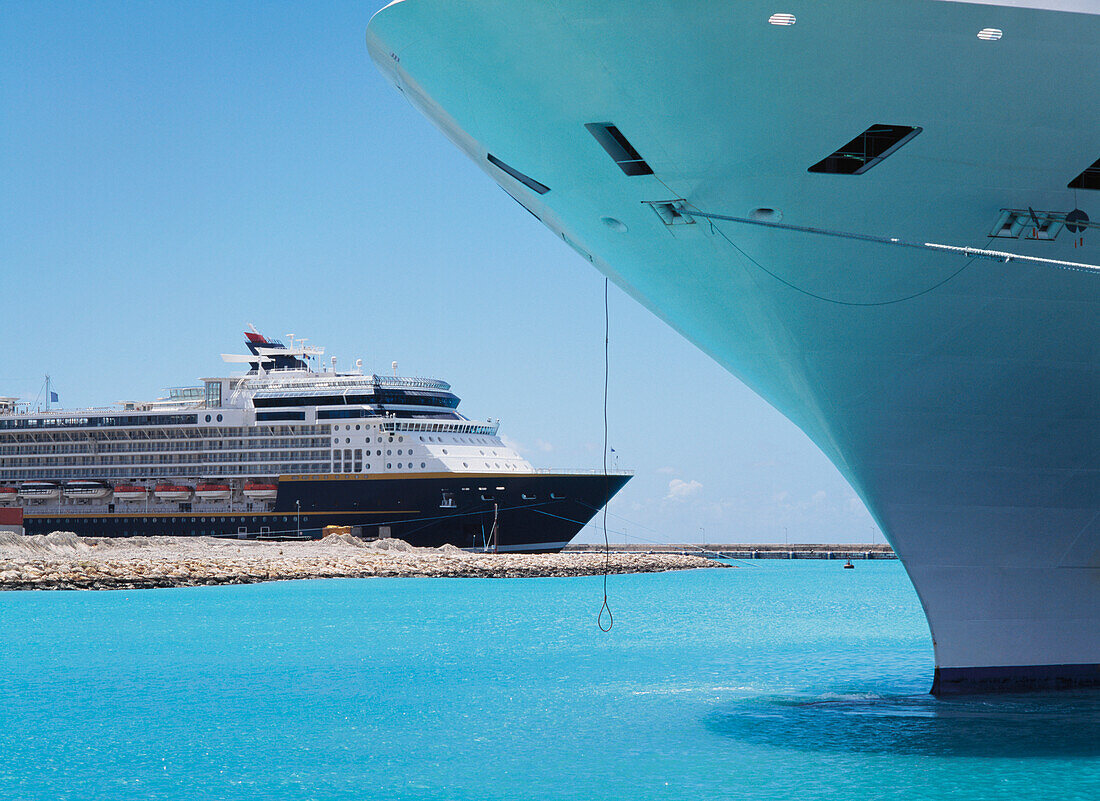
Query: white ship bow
{"x": 959, "y": 396}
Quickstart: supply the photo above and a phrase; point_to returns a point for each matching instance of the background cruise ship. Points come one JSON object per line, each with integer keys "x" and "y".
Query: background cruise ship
{"x": 284, "y": 451}
{"x": 813, "y": 193}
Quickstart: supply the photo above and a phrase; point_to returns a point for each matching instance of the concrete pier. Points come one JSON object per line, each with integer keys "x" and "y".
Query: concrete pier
{"x": 753, "y": 550}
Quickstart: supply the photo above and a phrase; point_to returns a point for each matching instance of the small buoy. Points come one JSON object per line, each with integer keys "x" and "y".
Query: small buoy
{"x": 849, "y": 566}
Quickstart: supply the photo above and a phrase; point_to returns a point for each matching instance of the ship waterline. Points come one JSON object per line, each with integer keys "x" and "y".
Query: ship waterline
{"x": 957, "y": 395}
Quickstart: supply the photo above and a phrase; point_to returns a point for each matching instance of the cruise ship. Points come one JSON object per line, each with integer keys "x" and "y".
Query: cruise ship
{"x": 285, "y": 451}
{"x": 875, "y": 215}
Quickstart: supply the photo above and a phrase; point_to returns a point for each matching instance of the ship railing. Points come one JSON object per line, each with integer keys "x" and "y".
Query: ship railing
{"x": 573, "y": 471}
{"x": 298, "y": 379}
{"x": 82, "y": 411}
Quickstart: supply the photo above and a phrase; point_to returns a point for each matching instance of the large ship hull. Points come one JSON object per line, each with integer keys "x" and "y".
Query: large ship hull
{"x": 957, "y": 396}
{"x": 529, "y": 513}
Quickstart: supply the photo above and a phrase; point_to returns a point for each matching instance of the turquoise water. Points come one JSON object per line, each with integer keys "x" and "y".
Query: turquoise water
{"x": 773, "y": 681}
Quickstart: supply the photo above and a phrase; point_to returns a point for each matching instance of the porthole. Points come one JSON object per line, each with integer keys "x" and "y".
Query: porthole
{"x": 388, "y": 465}
{"x": 423, "y": 465}
{"x": 336, "y": 439}
{"x": 208, "y": 418}
{"x": 219, "y": 418}
{"x": 465, "y": 465}
{"x": 347, "y": 439}
{"x": 357, "y": 428}
{"x": 399, "y": 465}
{"x": 400, "y": 439}
{"x": 389, "y": 453}
{"x": 444, "y": 451}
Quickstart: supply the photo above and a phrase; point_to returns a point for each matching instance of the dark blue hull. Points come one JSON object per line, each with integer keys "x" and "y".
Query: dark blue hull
{"x": 532, "y": 512}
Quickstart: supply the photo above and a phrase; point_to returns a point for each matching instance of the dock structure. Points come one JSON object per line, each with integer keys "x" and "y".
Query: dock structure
{"x": 754, "y": 550}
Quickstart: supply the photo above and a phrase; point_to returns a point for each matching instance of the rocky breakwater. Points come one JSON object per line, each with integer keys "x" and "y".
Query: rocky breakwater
{"x": 63, "y": 561}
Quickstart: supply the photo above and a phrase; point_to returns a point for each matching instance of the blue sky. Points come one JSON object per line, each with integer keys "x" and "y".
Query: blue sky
{"x": 173, "y": 171}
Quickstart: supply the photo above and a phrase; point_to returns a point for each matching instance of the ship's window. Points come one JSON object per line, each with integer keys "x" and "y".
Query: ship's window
{"x": 866, "y": 150}
{"x": 620, "y": 150}
{"x": 526, "y": 180}
{"x": 423, "y": 465}
{"x": 1089, "y": 179}
{"x": 389, "y": 465}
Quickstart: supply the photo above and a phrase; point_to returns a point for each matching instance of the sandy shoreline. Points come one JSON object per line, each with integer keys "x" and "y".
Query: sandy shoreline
{"x": 63, "y": 561}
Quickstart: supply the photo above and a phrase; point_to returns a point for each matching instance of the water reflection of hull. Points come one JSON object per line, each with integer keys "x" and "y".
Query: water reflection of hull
{"x": 1063, "y": 724}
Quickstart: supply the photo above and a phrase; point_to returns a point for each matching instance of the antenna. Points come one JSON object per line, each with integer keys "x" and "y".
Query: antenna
{"x": 333, "y": 360}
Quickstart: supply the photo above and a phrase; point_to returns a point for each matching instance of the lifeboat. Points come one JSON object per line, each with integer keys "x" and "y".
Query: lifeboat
{"x": 39, "y": 490}
{"x": 172, "y": 492}
{"x": 131, "y": 492}
{"x": 214, "y": 492}
{"x": 7, "y": 494}
{"x": 86, "y": 490}
{"x": 261, "y": 492}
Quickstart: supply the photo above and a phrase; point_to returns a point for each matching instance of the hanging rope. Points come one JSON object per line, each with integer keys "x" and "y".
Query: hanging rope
{"x": 716, "y": 230}
{"x": 606, "y": 479}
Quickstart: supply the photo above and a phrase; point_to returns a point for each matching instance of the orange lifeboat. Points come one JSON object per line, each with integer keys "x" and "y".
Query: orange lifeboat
{"x": 131, "y": 492}
{"x": 172, "y": 492}
{"x": 213, "y": 492}
{"x": 261, "y": 492}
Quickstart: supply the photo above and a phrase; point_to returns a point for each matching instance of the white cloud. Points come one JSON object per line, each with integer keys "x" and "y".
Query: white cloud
{"x": 679, "y": 490}
{"x": 668, "y": 471}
